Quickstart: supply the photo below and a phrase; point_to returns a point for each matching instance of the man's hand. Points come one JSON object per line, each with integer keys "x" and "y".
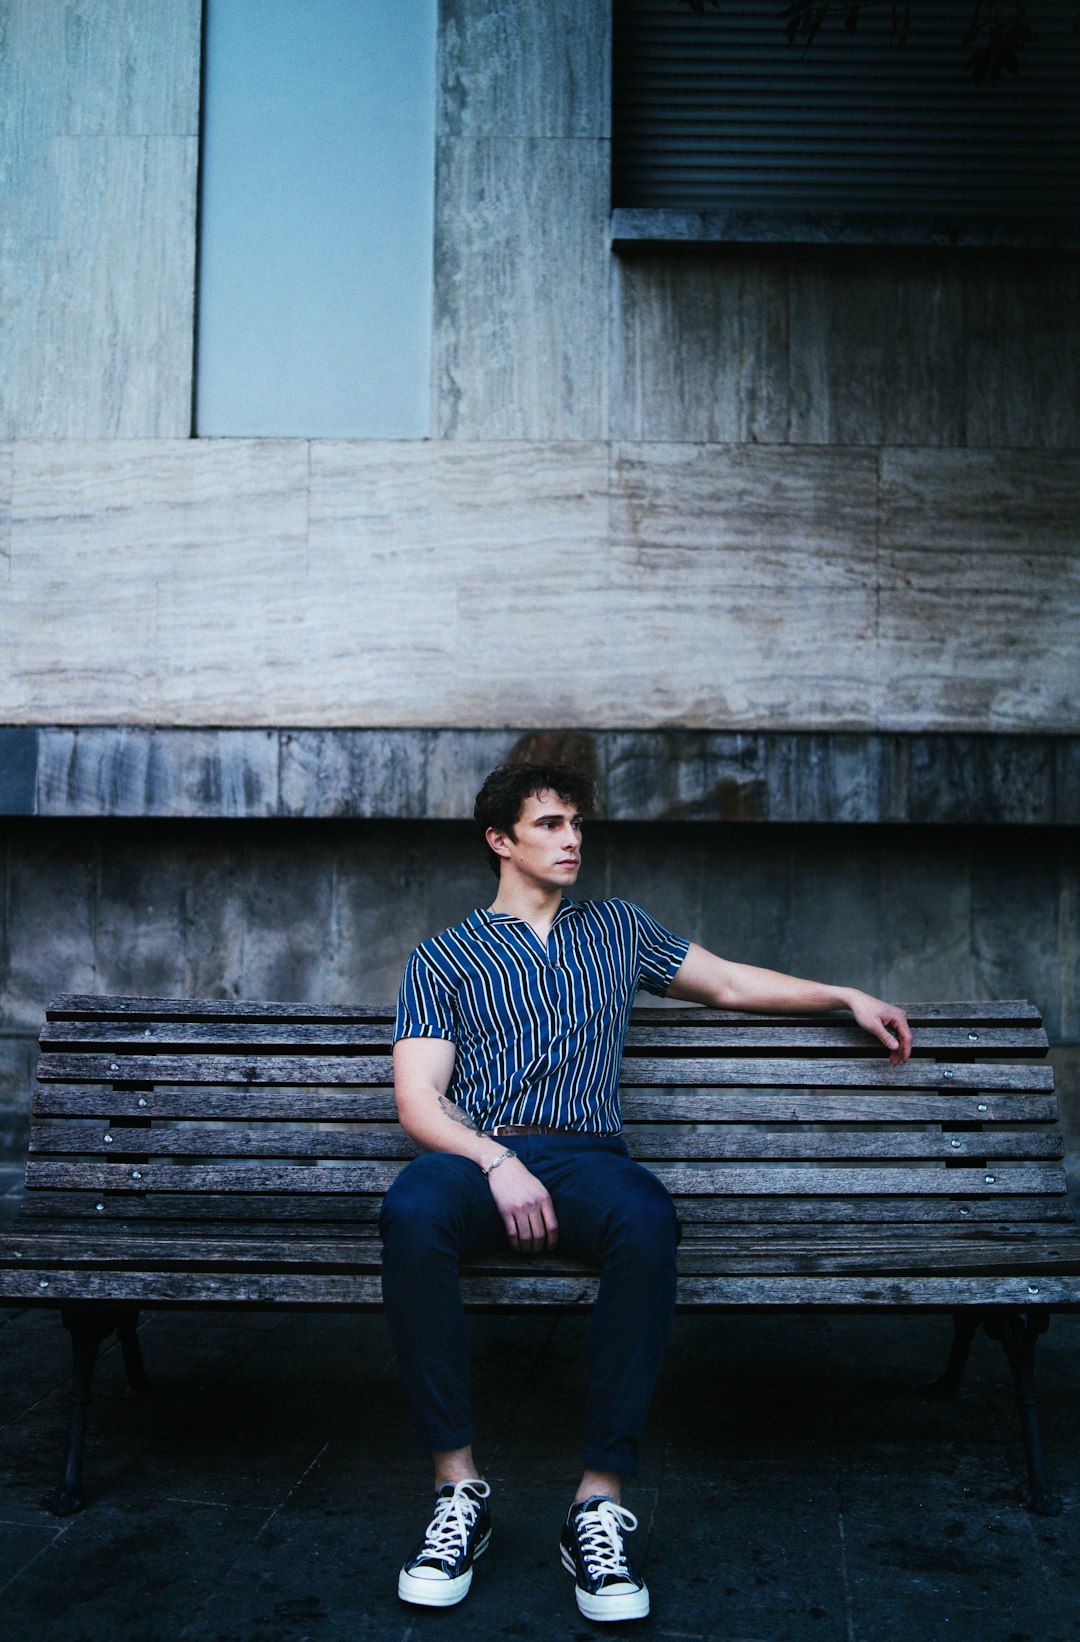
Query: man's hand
{"x": 526, "y": 1207}
{"x": 876, "y": 1017}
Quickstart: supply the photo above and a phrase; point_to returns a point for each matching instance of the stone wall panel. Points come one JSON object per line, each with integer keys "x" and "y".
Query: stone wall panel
{"x": 449, "y": 580}
{"x": 700, "y": 346}
{"x": 708, "y": 517}
{"x": 507, "y": 70}
{"x": 1022, "y": 353}
{"x": 877, "y": 349}
{"x": 153, "y": 581}
{"x": 521, "y": 288}
{"x": 97, "y": 218}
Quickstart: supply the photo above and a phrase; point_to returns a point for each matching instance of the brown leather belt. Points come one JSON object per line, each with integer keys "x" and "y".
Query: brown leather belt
{"x": 531, "y": 1129}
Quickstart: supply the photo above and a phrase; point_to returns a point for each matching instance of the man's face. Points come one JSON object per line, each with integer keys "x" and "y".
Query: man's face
{"x": 546, "y": 842}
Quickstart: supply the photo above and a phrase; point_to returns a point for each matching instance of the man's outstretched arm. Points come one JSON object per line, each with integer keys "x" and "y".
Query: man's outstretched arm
{"x": 703, "y": 977}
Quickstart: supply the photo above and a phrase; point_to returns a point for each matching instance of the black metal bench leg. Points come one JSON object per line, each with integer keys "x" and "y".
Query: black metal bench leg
{"x": 947, "y": 1386}
{"x": 127, "y": 1329}
{"x": 88, "y": 1326}
{"x": 1018, "y": 1332}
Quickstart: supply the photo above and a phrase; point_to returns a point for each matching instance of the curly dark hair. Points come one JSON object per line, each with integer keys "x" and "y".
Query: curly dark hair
{"x": 500, "y": 800}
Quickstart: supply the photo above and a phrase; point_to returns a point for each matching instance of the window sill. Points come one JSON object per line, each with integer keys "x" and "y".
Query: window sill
{"x": 633, "y": 226}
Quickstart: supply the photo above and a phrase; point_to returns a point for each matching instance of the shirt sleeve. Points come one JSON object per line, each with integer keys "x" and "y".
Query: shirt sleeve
{"x": 425, "y": 1002}
{"x": 660, "y": 953}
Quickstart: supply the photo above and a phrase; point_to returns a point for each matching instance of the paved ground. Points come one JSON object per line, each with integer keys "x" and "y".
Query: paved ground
{"x": 793, "y": 1487}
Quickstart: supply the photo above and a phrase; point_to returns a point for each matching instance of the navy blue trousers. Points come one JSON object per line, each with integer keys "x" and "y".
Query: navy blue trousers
{"x": 612, "y": 1214}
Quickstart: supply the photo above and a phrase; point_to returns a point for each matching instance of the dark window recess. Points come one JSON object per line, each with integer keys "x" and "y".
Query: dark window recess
{"x": 723, "y": 131}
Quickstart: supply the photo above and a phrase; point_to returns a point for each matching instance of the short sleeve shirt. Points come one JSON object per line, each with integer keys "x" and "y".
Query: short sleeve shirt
{"x": 538, "y": 1027}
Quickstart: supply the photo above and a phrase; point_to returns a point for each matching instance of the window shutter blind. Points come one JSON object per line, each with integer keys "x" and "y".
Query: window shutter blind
{"x": 853, "y": 136}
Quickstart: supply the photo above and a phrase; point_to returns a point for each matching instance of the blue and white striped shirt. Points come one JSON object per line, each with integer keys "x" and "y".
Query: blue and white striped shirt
{"x": 539, "y": 1030}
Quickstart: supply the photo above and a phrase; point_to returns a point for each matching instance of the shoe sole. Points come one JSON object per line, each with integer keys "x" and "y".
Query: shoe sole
{"x": 438, "y": 1593}
{"x": 625, "y": 1605}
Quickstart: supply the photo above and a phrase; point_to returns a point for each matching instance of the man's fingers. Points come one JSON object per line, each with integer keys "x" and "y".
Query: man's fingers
{"x": 547, "y": 1209}
{"x": 537, "y": 1229}
{"x": 900, "y": 1044}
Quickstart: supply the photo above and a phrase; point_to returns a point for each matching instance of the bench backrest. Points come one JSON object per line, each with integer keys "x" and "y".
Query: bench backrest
{"x": 212, "y": 1112}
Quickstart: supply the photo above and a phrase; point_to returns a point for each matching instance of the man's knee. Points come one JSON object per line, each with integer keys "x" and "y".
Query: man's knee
{"x": 418, "y": 1210}
{"x": 645, "y": 1223}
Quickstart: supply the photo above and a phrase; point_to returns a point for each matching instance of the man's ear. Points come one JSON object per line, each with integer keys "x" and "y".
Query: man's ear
{"x": 498, "y": 842}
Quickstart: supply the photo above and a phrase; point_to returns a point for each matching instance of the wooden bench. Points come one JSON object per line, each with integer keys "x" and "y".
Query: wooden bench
{"x": 218, "y": 1154}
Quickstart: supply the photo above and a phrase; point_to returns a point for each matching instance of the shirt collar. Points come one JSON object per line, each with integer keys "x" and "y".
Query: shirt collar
{"x": 485, "y": 916}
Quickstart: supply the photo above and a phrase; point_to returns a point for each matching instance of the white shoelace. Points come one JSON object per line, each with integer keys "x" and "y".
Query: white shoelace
{"x": 448, "y": 1531}
{"x": 600, "y": 1532}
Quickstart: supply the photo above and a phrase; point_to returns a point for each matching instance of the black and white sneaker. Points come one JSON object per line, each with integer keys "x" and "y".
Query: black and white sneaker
{"x": 606, "y": 1586}
{"x": 441, "y": 1571}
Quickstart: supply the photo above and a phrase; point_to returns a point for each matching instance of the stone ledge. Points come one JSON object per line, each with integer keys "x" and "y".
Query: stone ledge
{"x": 654, "y": 775}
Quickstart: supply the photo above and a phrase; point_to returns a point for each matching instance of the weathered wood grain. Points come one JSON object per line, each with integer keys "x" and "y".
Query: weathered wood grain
{"x": 717, "y": 1142}
{"x": 73, "y": 1006}
{"x": 332, "y": 1043}
{"x": 664, "y": 1105}
{"x": 253, "y": 1067}
{"x": 694, "y": 1180}
{"x": 70, "y": 1213}
{"x": 887, "y": 1293}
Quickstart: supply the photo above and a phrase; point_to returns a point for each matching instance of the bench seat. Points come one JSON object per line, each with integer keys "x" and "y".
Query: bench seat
{"x": 212, "y": 1153}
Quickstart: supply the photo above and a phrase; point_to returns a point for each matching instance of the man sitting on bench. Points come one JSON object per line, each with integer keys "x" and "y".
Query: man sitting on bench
{"x": 508, "y": 1043}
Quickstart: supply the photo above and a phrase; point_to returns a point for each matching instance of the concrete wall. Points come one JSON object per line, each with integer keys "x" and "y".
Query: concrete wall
{"x": 784, "y": 489}
{"x": 326, "y": 911}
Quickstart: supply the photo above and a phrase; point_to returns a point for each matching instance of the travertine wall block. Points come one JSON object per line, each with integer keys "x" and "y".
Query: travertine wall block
{"x": 97, "y": 217}
{"x": 521, "y": 288}
{"x": 1022, "y": 352}
{"x": 510, "y": 584}
{"x": 508, "y": 70}
{"x": 703, "y": 517}
{"x": 980, "y": 592}
{"x": 161, "y": 578}
{"x": 846, "y": 348}
{"x": 700, "y": 346}
{"x": 7, "y": 470}
{"x": 877, "y": 348}
{"x": 447, "y": 574}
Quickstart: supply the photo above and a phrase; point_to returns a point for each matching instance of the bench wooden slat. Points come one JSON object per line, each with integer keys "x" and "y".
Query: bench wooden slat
{"x": 297, "y": 1211}
{"x": 77, "y": 1005}
{"x": 363, "y": 1255}
{"x": 743, "y": 1142}
{"x": 693, "y": 1180}
{"x": 662, "y": 1105}
{"x": 365, "y": 1071}
{"x": 224, "y": 1037}
{"x": 304, "y": 1291}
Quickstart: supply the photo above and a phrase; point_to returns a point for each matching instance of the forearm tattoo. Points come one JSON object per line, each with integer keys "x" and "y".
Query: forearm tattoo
{"x": 455, "y": 1113}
